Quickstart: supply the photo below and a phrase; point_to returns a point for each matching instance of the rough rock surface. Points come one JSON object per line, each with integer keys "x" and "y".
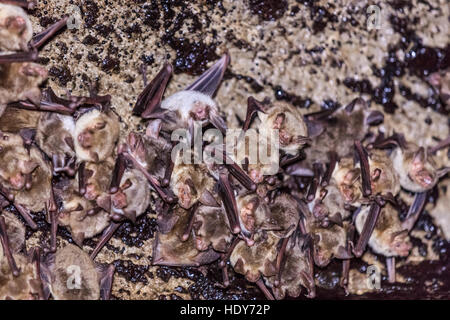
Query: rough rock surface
{"x": 314, "y": 54}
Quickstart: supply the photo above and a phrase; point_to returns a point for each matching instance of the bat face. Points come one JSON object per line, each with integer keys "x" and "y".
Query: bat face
{"x": 74, "y": 214}
{"x": 193, "y": 106}
{"x": 253, "y": 213}
{"x": 329, "y": 204}
{"x": 211, "y": 229}
{"x": 328, "y": 242}
{"x": 15, "y": 28}
{"x": 389, "y": 237}
{"x": 292, "y": 130}
{"x": 18, "y": 162}
{"x": 96, "y": 134}
{"x": 189, "y": 182}
{"x": 168, "y": 248}
{"x": 441, "y": 82}
{"x": 97, "y": 177}
{"x": 73, "y": 275}
{"x": 133, "y": 196}
{"x": 257, "y": 260}
{"x": 25, "y": 172}
{"x": 383, "y": 177}
{"x": 347, "y": 177}
{"x": 417, "y": 170}
{"x": 20, "y": 81}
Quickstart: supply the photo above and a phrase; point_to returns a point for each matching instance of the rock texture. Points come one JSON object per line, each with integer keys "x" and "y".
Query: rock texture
{"x": 313, "y": 54}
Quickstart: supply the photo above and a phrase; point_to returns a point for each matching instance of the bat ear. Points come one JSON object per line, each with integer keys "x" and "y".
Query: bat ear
{"x": 443, "y": 171}
{"x": 208, "y": 199}
{"x": 343, "y": 253}
{"x": 419, "y": 156}
{"x": 375, "y": 118}
{"x": 150, "y": 99}
{"x": 357, "y": 103}
{"x": 218, "y": 122}
{"x": 337, "y": 219}
{"x": 400, "y": 234}
{"x": 106, "y": 275}
{"x": 253, "y": 106}
{"x": 153, "y": 128}
{"x": 209, "y": 81}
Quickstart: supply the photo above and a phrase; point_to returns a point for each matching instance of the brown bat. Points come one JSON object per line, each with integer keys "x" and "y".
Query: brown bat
{"x": 70, "y": 274}
{"x": 416, "y": 168}
{"x": 331, "y": 236}
{"x": 26, "y": 178}
{"x": 182, "y": 109}
{"x": 211, "y": 229}
{"x": 132, "y": 198}
{"x": 15, "y": 28}
{"x": 390, "y": 236}
{"x": 255, "y": 215}
{"x": 19, "y": 272}
{"x": 296, "y": 269}
{"x": 170, "y": 250}
{"x": 96, "y": 135}
{"x": 338, "y": 128}
{"x": 20, "y": 81}
{"x": 189, "y": 182}
{"x": 288, "y": 121}
{"x": 55, "y": 136}
{"x": 257, "y": 260}
{"x": 83, "y": 217}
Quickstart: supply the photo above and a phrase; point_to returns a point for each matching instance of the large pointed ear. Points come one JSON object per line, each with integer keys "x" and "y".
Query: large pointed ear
{"x": 106, "y": 275}
{"x": 253, "y": 106}
{"x": 218, "y": 122}
{"x": 365, "y": 168}
{"x": 442, "y": 171}
{"x": 416, "y": 208}
{"x": 317, "y": 121}
{"x": 357, "y": 103}
{"x": 150, "y": 99}
{"x": 419, "y": 156}
{"x": 375, "y": 118}
{"x": 210, "y": 80}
